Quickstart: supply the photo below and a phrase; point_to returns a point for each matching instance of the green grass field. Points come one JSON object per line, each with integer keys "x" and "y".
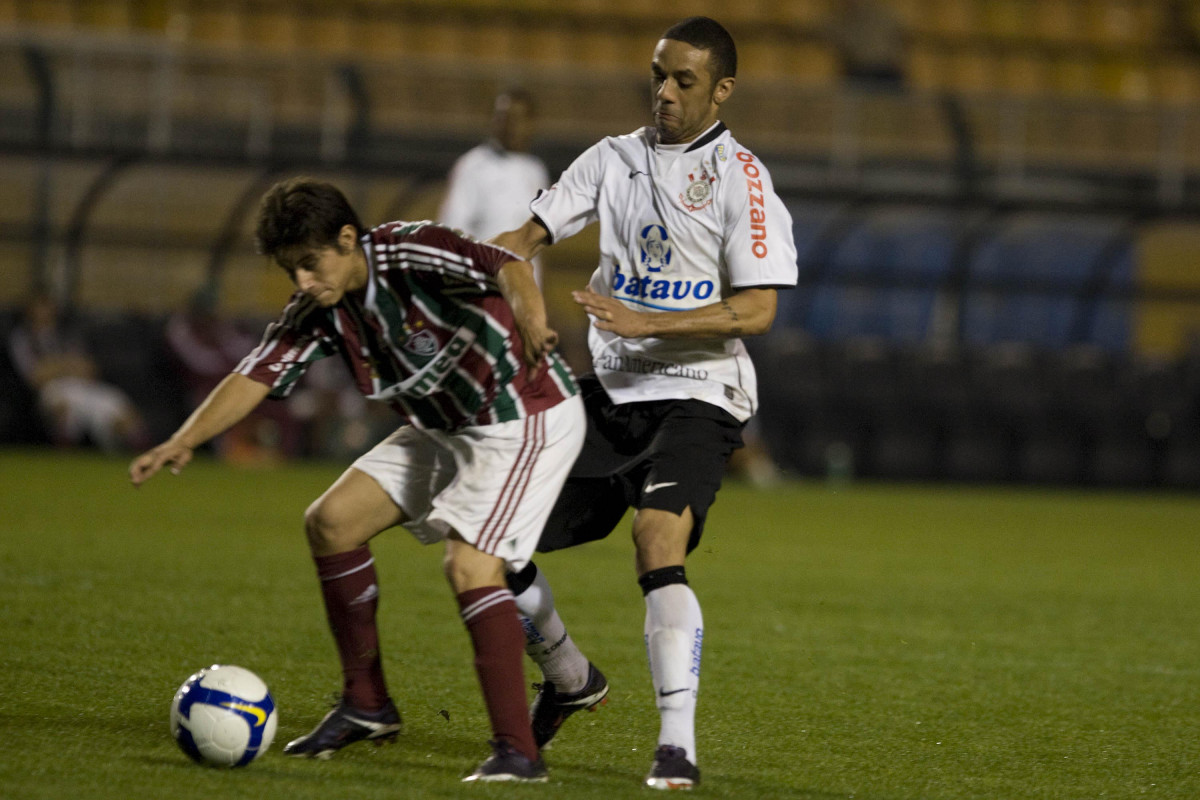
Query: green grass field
{"x": 865, "y": 641}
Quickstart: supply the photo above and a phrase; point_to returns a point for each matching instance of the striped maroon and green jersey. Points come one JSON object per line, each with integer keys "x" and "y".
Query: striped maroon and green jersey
{"x": 430, "y": 334}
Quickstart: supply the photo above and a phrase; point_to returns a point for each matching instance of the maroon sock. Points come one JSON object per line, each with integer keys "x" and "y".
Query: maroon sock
{"x": 490, "y": 615}
{"x": 351, "y": 597}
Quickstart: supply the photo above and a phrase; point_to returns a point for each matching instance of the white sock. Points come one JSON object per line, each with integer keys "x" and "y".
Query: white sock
{"x": 547, "y": 641}
{"x": 674, "y": 636}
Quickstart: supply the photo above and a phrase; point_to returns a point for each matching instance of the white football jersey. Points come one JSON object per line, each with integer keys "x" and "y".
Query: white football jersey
{"x": 489, "y": 190}
{"x": 681, "y": 226}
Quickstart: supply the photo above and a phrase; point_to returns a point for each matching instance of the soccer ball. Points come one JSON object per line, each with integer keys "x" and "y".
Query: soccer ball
{"x": 223, "y": 716}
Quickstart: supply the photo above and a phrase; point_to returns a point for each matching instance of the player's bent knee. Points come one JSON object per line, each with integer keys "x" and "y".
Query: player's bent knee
{"x": 328, "y": 531}
{"x": 467, "y": 568}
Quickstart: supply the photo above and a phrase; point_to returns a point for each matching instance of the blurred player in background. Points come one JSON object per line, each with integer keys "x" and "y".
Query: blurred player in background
{"x": 694, "y": 244}
{"x": 490, "y": 185}
{"x": 452, "y": 334}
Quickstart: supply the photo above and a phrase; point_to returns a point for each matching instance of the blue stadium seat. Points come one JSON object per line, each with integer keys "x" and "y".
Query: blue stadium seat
{"x": 1036, "y": 282}
{"x": 882, "y": 278}
{"x": 810, "y": 223}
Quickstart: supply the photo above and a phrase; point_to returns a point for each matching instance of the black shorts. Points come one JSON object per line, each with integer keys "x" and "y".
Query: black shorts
{"x": 663, "y": 454}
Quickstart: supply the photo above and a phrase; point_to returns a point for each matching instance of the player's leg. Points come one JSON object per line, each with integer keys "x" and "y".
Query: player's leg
{"x": 674, "y": 635}
{"x": 589, "y": 506}
{"x": 686, "y": 462}
{"x": 338, "y": 525}
{"x": 586, "y": 510}
{"x": 492, "y": 513}
{"x": 490, "y": 616}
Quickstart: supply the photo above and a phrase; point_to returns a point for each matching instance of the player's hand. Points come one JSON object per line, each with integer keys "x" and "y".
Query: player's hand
{"x": 613, "y": 315}
{"x": 540, "y": 342}
{"x": 146, "y": 466}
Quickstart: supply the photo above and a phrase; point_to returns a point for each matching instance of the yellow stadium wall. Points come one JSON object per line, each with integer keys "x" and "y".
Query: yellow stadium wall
{"x": 1168, "y": 258}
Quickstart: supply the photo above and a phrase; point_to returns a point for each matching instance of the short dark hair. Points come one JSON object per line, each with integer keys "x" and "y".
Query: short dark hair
{"x": 302, "y": 211}
{"x": 705, "y": 33}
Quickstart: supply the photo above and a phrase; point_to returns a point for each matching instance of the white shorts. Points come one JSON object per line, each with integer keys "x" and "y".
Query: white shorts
{"x": 493, "y": 485}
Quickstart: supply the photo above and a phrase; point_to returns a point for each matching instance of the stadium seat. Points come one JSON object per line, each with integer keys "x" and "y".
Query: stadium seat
{"x": 954, "y": 18}
{"x": 1166, "y": 262}
{"x": 882, "y": 277}
{"x": 1057, "y": 20}
{"x": 380, "y": 37}
{"x": 1007, "y": 19}
{"x": 1123, "y": 22}
{"x": 223, "y": 23}
{"x": 110, "y": 16}
{"x": 58, "y": 13}
{"x": 1023, "y": 73}
{"x": 274, "y": 28}
{"x": 326, "y": 31}
{"x": 1029, "y": 283}
{"x": 1177, "y": 80}
{"x": 925, "y": 66}
{"x": 1126, "y": 78}
{"x": 1074, "y": 74}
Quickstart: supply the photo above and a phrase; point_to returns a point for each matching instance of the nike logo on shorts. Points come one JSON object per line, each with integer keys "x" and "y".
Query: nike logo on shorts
{"x": 655, "y": 486}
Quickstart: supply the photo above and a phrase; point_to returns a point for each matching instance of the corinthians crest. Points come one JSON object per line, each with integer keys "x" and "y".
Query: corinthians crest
{"x": 698, "y": 194}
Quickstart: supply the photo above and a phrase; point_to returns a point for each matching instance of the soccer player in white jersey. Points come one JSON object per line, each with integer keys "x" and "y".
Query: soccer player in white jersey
{"x": 452, "y": 334}
{"x": 694, "y": 244}
{"x": 490, "y": 185}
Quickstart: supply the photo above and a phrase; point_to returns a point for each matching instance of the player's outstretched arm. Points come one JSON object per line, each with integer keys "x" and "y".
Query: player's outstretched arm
{"x": 748, "y": 312}
{"x": 233, "y": 399}
{"x": 529, "y": 312}
{"x": 526, "y": 241}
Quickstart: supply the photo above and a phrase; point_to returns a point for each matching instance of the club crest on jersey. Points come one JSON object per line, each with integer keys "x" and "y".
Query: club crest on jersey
{"x": 422, "y": 343}
{"x": 656, "y": 247}
{"x": 698, "y": 194}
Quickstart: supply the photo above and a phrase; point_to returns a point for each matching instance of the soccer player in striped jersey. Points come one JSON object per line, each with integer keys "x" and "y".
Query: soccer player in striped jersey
{"x": 452, "y": 334}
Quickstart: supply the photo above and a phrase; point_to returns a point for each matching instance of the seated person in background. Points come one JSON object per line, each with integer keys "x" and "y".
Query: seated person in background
{"x": 76, "y": 405}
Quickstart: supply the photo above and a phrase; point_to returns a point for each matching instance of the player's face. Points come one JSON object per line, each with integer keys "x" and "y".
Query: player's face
{"x": 327, "y": 273}
{"x": 686, "y": 98}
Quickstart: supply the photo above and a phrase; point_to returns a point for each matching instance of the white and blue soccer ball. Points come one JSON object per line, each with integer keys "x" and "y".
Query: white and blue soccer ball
{"x": 223, "y": 716}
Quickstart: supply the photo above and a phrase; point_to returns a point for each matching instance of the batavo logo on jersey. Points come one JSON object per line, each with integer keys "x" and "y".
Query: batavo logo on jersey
{"x": 758, "y": 209}
{"x": 653, "y": 288}
{"x": 429, "y": 377}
